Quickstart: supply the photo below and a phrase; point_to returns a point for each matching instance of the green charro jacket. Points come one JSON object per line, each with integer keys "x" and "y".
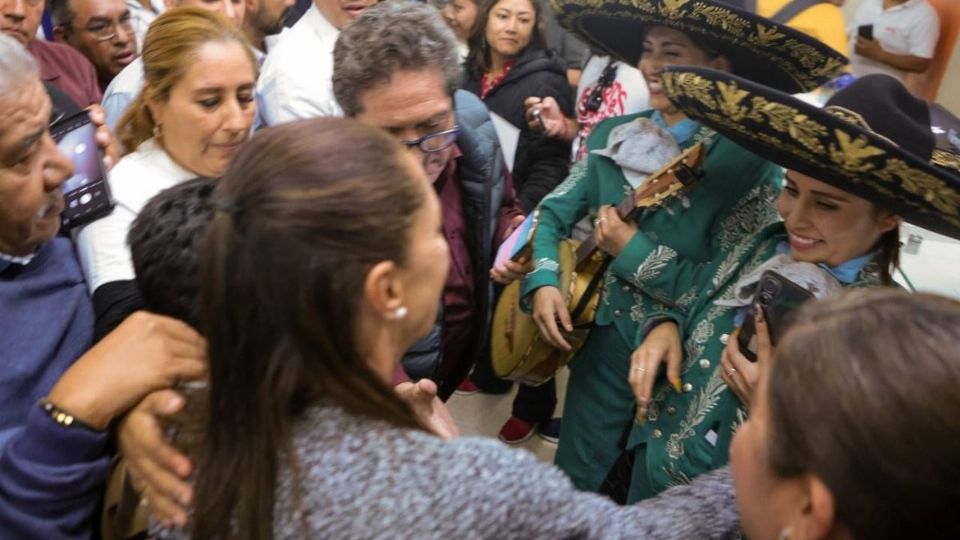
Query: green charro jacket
{"x": 665, "y": 268}
{"x": 689, "y": 433}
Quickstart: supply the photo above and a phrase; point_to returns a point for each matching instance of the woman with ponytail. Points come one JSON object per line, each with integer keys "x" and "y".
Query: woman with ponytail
{"x": 194, "y": 111}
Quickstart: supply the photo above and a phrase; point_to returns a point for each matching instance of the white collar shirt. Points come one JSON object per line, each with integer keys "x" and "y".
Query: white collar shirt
{"x": 121, "y": 91}
{"x": 296, "y": 80}
{"x": 911, "y": 28}
{"x": 141, "y": 16}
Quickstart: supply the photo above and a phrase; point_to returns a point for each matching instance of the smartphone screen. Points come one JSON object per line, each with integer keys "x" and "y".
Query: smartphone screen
{"x": 86, "y": 193}
{"x": 865, "y": 31}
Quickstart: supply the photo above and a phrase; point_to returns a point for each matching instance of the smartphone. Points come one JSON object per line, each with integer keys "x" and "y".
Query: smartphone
{"x": 865, "y": 31}
{"x": 537, "y": 115}
{"x": 86, "y": 194}
{"x": 778, "y": 297}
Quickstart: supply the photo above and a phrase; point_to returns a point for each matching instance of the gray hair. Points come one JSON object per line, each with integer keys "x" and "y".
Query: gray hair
{"x": 391, "y": 36}
{"x": 16, "y": 65}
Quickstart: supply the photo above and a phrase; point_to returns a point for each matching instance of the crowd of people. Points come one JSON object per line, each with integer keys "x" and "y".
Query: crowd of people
{"x": 298, "y": 267}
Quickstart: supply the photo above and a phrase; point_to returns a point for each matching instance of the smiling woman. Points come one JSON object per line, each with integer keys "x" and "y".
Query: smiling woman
{"x": 195, "y": 110}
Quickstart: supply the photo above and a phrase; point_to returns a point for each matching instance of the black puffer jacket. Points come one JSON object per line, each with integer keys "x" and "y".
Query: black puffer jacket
{"x": 541, "y": 162}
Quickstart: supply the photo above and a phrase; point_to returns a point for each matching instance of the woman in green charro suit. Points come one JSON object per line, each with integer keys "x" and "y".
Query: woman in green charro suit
{"x": 854, "y": 168}
{"x": 656, "y": 256}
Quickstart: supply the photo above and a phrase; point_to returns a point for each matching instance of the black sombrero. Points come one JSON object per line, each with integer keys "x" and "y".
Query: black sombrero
{"x": 946, "y": 129}
{"x": 872, "y": 139}
{"x": 759, "y": 49}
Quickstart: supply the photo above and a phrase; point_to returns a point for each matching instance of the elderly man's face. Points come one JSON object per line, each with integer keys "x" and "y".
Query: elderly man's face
{"x": 411, "y": 105}
{"x": 95, "y": 20}
{"x": 32, "y": 170}
{"x": 20, "y": 19}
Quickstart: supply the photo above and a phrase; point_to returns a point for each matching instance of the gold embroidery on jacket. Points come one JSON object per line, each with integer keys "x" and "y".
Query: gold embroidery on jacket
{"x": 705, "y": 401}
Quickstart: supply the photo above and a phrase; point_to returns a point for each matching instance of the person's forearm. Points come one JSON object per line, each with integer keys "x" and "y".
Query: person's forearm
{"x": 50, "y": 480}
{"x": 904, "y": 62}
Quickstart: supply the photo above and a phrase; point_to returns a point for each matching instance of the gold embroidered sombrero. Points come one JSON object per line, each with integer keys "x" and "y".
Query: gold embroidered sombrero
{"x": 872, "y": 139}
{"x": 759, "y": 49}
{"x": 946, "y": 129}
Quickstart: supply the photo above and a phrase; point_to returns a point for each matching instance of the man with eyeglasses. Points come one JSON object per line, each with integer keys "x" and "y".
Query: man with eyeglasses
{"x": 60, "y": 65}
{"x": 102, "y": 30}
{"x": 396, "y": 67}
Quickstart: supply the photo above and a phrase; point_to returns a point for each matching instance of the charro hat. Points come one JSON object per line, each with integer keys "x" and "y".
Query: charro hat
{"x": 761, "y": 50}
{"x": 872, "y": 139}
{"x": 946, "y": 129}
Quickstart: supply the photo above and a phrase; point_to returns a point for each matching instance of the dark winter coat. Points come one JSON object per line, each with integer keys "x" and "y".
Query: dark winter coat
{"x": 541, "y": 162}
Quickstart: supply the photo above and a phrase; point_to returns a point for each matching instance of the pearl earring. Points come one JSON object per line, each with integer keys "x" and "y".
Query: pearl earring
{"x": 400, "y": 313}
{"x": 785, "y": 533}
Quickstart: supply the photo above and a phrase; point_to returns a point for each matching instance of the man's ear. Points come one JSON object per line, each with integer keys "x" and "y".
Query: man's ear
{"x": 61, "y": 34}
{"x": 383, "y": 289}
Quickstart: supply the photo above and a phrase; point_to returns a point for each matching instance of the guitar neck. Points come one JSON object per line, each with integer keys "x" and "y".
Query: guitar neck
{"x": 679, "y": 173}
{"x": 626, "y": 210}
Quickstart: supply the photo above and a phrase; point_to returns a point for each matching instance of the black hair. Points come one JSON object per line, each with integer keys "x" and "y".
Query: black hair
{"x": 164, "y": 242}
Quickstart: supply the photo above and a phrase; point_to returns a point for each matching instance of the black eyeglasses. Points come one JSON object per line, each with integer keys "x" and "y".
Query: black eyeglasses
{"x": 434, "y": 142}
{"x": 595, "y": 99}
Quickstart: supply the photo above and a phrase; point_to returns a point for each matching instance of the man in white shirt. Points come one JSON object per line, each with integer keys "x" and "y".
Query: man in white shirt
{"x": 142, "y": 13}
{"x": 263, "y": 23}
{"x": 296, "y": 80}
{"x": 905, "y": 34}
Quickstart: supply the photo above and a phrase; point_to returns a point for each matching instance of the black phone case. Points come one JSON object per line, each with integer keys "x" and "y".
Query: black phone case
{"x": 91, "y": 199}
{"x": 778, "y": 297}
{"x": 865, "y": 31}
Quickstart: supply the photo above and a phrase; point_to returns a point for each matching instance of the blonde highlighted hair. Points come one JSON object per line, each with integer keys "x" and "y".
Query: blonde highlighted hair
{"x": 170, "y": 45}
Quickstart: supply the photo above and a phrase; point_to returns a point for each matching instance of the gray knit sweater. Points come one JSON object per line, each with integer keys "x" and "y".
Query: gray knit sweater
{"x": 364, "y": 479}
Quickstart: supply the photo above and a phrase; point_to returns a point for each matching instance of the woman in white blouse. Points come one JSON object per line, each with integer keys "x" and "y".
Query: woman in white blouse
{"x": 195, "y": 110}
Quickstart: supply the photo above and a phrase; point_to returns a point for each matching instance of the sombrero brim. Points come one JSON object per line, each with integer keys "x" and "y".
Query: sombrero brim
{"x": 760, "y": 49}
{"x": 946, "y": 129}
{"x": 818, "y": 143}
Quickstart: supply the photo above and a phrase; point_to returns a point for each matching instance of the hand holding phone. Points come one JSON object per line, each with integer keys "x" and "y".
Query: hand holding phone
{"x": 778, "y": 298}
{"x": 86, "y": 194}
